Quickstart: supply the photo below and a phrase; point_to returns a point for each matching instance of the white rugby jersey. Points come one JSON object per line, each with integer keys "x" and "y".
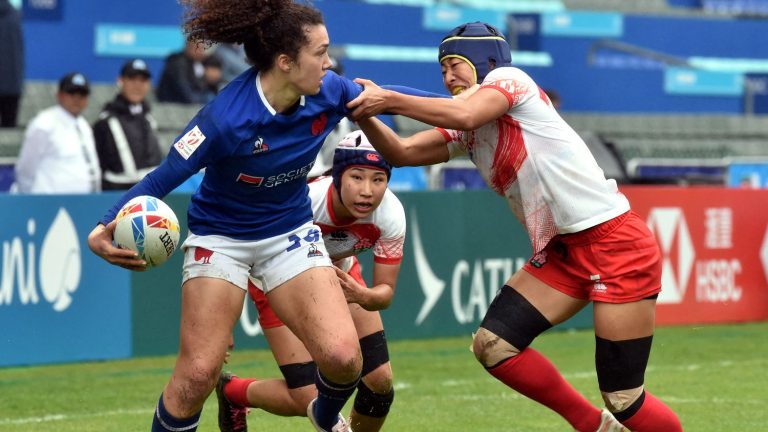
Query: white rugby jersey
{"x": 538, "y": 163}
{"x": 383, "y": 230}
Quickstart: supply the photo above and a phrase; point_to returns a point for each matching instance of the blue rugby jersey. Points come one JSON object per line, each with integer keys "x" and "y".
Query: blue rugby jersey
{"x": 256, "y": 161}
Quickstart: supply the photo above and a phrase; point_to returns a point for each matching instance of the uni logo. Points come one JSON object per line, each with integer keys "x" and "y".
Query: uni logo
{"x": 677, "y": 252}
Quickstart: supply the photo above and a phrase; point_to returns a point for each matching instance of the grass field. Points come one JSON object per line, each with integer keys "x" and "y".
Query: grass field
{"x": 715, "y": 377}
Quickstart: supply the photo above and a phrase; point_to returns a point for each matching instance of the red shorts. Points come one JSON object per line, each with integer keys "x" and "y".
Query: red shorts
{"x": 617, "y": 261}
{"x": 267, "y": 317}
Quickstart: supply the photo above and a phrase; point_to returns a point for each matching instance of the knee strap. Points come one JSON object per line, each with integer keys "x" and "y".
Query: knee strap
{"x": 513, "y": 318}
{"x": 631, "y": 410}
{"x": 374, "y": 349}
{"x": 299, "y": 374}
{"x": 621, "y": 364}
{"x": 373, "y": 404}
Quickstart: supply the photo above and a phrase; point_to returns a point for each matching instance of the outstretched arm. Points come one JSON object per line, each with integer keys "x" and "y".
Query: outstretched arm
{"x": 484, "y": 106}
{"x": 424, "y": 148}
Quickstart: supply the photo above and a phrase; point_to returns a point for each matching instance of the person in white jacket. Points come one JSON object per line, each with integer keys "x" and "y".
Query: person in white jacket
{"x": 58, "y": 155}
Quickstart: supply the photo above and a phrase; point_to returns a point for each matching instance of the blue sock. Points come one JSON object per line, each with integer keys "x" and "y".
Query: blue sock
{"x": 331, "y": 398}
{"x": 162, "y": 421}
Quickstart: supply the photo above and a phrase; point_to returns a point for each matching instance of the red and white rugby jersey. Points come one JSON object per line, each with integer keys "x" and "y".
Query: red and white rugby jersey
{"x": 533, "y": 158}
{"x": 382, "y": 231}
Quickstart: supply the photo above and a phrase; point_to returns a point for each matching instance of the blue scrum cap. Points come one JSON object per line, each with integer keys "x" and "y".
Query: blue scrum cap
{"x": 354, "y": 150}
{"x": 476, "y": 43}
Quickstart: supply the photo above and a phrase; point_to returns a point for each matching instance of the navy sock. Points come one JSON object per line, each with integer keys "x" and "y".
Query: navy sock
{"x": 162, "y": 421}
{"x": 331, "y": 398}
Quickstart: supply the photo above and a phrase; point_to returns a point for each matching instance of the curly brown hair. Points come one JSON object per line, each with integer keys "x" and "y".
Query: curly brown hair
{"x": 266, "y": 28}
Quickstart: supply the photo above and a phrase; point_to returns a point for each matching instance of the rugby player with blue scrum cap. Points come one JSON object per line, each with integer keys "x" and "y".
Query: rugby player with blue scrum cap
{"x": 588, "y": 245}
{"x": 481, "y": 46}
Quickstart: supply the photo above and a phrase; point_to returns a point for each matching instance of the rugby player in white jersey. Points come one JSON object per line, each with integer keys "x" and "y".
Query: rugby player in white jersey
{"x": 588, "y": 245}
{"x": 356, "y": 213}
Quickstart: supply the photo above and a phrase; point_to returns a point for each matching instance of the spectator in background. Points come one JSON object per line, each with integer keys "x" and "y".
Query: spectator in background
{"x": 233, "y": 61}
{"x": 58, "y": 154}
{"x": 183, "y": 79}
{"x": 125, "y": 133}
{"x": 12, "y": 64}
{"x": 213, "y": 77}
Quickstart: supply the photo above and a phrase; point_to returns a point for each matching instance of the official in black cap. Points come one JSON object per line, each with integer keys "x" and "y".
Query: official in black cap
{"x": 135, "y": 67}
{"x": 73, "y": 93}
{"x": 126, "y": 133}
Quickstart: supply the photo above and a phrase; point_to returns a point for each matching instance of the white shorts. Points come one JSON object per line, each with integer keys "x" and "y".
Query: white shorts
{"x": 269, "y": 262}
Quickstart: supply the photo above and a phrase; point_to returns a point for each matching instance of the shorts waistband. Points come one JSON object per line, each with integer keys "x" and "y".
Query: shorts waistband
{"x": 596, "y": 232}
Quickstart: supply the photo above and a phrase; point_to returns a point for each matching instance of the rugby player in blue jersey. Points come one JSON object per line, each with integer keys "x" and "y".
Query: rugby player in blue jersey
{"x": 356, "y": 212}
{"x": 251, "y": 216}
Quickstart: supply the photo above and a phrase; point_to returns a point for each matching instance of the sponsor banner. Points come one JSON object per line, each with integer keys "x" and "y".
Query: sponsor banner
{"x": 136, "y": 40}
{"x": 750, "y": 173}
{"x": 678, "y": 80}
{"x": 58, "y": 301}
{"x": 714, "y": 244}
{"x": 582, "y": 24}
{"x": 443, "y": 17}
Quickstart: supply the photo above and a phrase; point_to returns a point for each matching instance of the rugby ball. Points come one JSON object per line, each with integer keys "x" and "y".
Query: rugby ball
{"x": 147, "y": 225}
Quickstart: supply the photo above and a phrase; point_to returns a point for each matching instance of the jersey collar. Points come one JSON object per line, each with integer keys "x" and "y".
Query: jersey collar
{"x": 264, "y": 98}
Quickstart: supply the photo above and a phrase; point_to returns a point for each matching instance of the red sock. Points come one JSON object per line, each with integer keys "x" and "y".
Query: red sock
{"x": 531, "y": 374}
{"x": 653, "y": 416}
{"x": 236, "y": 391}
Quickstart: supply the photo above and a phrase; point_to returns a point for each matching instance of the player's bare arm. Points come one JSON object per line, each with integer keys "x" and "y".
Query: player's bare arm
{"x": 424, "y": 148}
{"x": 100, "y": 242}
{"x": 482, "y": 107}
{"x": 377, "y": 297}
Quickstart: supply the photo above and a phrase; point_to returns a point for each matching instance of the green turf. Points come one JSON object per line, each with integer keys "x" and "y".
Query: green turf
{"x": 715, "y": 377}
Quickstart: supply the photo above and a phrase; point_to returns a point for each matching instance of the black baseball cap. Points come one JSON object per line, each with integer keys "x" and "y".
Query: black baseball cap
{"x": 74, "y": 82}
{"x": 135, "y": 67}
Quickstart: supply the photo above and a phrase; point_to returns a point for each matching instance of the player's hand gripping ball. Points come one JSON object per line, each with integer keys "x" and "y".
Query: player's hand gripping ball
{"x": 147, "y": 225}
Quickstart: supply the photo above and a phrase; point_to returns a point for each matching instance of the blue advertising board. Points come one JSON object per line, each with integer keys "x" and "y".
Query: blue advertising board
{"x": 748, "y": 173}
{"x": 757, "y": 94}
{"x": 701, "y": 82}
{"x": 43, "y": 10}
{"x": 58, "y": 301}
{"x": 525, "y": 32}
{"x": 134, "y": 40}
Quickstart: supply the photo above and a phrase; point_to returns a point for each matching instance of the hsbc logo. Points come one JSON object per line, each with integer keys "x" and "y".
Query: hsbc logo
{"x": 671, "y": 230}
